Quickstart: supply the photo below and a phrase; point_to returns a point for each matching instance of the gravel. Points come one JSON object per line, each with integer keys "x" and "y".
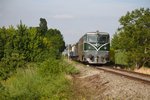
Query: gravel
{"x": 93, "y": 84}
{"x": 123, "y": 88}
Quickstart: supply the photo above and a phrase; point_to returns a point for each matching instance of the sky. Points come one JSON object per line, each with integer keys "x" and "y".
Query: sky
{"x": 72, "y": 17}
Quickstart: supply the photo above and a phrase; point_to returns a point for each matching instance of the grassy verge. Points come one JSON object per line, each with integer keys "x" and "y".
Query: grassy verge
{"x": 42, "y": 81}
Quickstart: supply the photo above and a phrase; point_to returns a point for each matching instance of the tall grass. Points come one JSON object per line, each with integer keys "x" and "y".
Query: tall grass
{"x": 42, "y": 81}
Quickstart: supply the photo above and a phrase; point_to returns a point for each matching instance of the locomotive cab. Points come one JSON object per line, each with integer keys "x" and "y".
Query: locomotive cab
{"x": 94, "y": 48}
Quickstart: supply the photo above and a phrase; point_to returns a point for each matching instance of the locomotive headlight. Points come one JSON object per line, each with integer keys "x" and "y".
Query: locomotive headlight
{"x": 89, "y": 47}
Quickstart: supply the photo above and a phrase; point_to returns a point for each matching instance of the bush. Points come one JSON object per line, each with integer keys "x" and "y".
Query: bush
{"x": 56, "y": 67}
{"x": 47, "y": 81}
{"x": 22, "y": 44}
{"x": 112, "y": 56}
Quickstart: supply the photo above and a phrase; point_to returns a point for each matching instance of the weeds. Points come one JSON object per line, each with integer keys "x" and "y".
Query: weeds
{"x": 41, "y": 81}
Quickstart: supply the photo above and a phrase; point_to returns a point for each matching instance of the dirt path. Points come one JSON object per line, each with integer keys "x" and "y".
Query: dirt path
{"x": 93, "y": 84}
{"x": 87, "y": 85}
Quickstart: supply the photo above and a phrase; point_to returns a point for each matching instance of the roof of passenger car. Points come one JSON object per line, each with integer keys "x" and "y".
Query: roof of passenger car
{"x": 97, "y": 32}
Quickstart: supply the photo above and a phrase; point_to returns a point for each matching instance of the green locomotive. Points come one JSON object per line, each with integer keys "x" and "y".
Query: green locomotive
{"x": 93, "y": 48}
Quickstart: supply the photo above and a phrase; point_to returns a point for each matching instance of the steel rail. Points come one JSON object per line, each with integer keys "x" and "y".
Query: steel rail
{"x": 129, "y": 74}
{"x": 137, "y": 73}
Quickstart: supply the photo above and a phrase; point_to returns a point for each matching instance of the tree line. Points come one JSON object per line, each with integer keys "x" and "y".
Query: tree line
{"x": 23, "y": 44}
{"x": 133, "y": 37}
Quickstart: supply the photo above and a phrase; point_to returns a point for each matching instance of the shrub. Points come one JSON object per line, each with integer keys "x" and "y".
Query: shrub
{"x": 47, "y": 81}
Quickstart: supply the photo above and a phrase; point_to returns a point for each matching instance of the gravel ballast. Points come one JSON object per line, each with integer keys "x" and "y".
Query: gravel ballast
{"x": 93, "y": 84}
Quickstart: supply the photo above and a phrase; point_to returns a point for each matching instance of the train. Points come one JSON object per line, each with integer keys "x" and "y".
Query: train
{"x": 92, "y": 48}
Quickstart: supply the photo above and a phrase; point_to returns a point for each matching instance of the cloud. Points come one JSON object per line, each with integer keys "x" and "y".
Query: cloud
{"x": 63, "y": 16}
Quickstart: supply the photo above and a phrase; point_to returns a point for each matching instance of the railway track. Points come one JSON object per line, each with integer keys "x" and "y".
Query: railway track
{"x": 129, "y": 74}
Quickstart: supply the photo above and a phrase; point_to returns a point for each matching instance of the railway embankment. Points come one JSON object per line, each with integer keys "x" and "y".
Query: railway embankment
{"x": 143, "y": 70}
{"x": 93, "y": 84}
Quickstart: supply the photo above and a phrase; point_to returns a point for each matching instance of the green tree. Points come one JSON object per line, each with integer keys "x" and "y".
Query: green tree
{"x": 22, "y": 45}
{"x": 43, "y": 26}
{"x": 56, "y": 39}
{"x": 1, "y": 47}
{"x": 134, "y": 36}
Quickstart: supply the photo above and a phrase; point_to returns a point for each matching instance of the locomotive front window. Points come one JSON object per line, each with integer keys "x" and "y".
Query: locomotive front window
{"x": 92, "y": 38}
{"x": 103, "y": 38}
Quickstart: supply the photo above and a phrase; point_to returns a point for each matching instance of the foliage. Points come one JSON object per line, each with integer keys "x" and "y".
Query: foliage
{"x": 134, "y": 36}
{"x": 45, "y": 80}
{"x": 121, "y": 58}
{"x": 55, "y": 67}
{"x": 42, "y": 26}
{"x": 1, "y": 48}
{"x": 112, "y": 56}
{"x": 21, "y": 45}
{"x": 39, "y": 47}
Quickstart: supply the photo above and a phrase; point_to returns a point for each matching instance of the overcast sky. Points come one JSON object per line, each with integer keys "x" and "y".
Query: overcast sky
{"x": 72, "y": 17}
